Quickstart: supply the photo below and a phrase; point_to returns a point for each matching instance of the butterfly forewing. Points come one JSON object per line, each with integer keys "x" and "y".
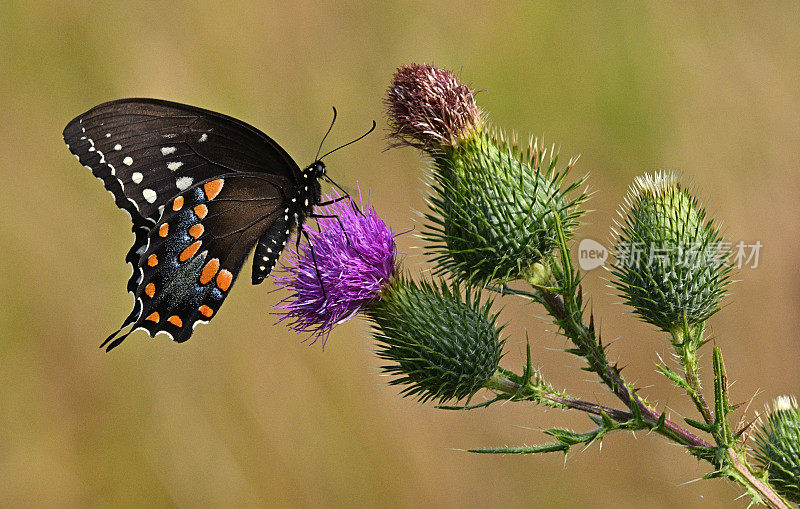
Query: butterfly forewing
{"x": 196, "y": 250}
{"x": 146, "y": 151}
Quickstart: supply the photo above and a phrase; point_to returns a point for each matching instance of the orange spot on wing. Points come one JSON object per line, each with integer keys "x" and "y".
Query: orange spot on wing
{"x": 178, "y": 203}
{"x": 152, "y": 260}
{"x": 150, "y": 289}
{"x": 190, "y": 251}
{"x": 153, "y": 317}
{"x": 209, "y": 271}
{"x": 196, "y": 230}
{"x": 224, "y": 280}
{"x": 206, "y": 311}
{"x": 163, "y": 230}
{"x": 213, "y": 188}
{"x": 175, "y": 320}
{"x": 201, "y": 211}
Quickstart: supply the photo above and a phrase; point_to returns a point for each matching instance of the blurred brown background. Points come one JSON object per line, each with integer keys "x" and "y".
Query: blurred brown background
{"x": 246, "y": 415}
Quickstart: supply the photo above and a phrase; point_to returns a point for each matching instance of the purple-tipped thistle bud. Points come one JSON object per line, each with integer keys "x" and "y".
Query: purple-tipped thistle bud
{"x": 428, "y": 108}
{"x": 494, "y": 207}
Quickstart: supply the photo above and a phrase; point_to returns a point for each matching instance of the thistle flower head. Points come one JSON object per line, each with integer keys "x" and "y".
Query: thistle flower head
{"x": 348, "y": 269}
{"x": 494, "y": 208}
{"x": 441, "y": 346}
{"x": 778, "y": 446}
{"x": 429, "y": 108}
{"x": 671, "y": 261}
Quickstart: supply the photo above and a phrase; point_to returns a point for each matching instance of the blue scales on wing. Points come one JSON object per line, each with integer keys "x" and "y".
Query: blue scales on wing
{"x": 196, "y": 250}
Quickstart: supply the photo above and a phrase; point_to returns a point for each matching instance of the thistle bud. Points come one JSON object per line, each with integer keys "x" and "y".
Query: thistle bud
{"x": 778, "y": 447}
{"x": 428, "y": 108}
{"x": 671, "y": 262}
{"x": 494, "y": 208}
{"x": 440, "y": 346}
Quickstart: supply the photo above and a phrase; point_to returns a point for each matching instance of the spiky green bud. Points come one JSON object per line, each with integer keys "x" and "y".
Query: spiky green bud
{"x": 671, "y": 261}
{"x": 778, "y": 447}
{"x": 439, "y": 345}
{"x": 494, "y": 208}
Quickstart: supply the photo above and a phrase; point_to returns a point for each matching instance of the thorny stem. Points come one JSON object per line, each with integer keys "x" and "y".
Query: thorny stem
{"x": 592, "y": 352}
{"x": 685, "y": 341}
{"x": 747, "y": 478}
{"x": 583, "y": 338}
{"x": 510, "y": 387}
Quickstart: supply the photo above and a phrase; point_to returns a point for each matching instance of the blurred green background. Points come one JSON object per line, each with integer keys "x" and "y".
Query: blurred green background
{"x": 244, "y": 414}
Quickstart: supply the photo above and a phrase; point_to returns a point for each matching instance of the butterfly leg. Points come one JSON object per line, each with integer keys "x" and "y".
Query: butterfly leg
{"x": 302, "y": 231}
{"x": 335, "y": 200}
{"x": 341, "y": 227}
{"x": 346, "y": 195}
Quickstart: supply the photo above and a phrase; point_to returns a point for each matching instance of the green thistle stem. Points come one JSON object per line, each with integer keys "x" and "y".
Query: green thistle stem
{"x": 584, "y": 339}
{"x": 686, "y": 340}
{"x": 503, "y": 383}
{"x": 506, "y": 382}
{"x": 741, "y": 473}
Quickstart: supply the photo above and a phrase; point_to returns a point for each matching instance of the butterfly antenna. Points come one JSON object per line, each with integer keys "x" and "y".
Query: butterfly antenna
{"x": 350, "y": 142}
{"x": 316, "y": 157}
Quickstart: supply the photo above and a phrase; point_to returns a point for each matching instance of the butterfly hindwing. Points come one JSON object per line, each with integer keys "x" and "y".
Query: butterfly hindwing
{"x": 196, "y": 250}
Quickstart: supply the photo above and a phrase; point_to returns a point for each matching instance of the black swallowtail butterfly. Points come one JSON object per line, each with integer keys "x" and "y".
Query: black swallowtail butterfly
{"x": 202, "y": 189}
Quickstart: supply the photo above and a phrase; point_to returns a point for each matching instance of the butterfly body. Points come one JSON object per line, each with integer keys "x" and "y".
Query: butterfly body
{"x": 202, "y": 190}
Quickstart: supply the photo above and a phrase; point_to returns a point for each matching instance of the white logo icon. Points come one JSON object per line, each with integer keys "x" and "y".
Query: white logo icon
{"x": 591, "y": 254}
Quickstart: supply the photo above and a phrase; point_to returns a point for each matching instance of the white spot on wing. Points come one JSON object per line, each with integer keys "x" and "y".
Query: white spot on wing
{"x": 165, "y": 151}
{"x": 203, "y": 137}
{"x": 128, "y": 161}
{"x": 149, "y": 195}
{"x": 137, "y": 177}
{"x": 183, "y": 183}
{"x": 108, "y": 135}
{"x": 174, "y": 165}
{"x": 117, "y": 147}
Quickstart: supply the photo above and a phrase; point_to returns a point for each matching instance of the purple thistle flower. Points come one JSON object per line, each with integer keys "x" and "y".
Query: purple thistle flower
{"x": 353, "y": 274}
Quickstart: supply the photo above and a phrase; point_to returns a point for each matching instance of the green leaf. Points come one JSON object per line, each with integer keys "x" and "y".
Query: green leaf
{"x": 673, "y": 377}
{"x": 534, "y": 449}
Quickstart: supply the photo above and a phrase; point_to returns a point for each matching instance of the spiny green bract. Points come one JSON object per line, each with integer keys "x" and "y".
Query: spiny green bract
{"x": 493, "y": 208}
{"x": 442, "y": 347}
{"x": 778, "y": 447}
{"x": 671, "y": 261}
